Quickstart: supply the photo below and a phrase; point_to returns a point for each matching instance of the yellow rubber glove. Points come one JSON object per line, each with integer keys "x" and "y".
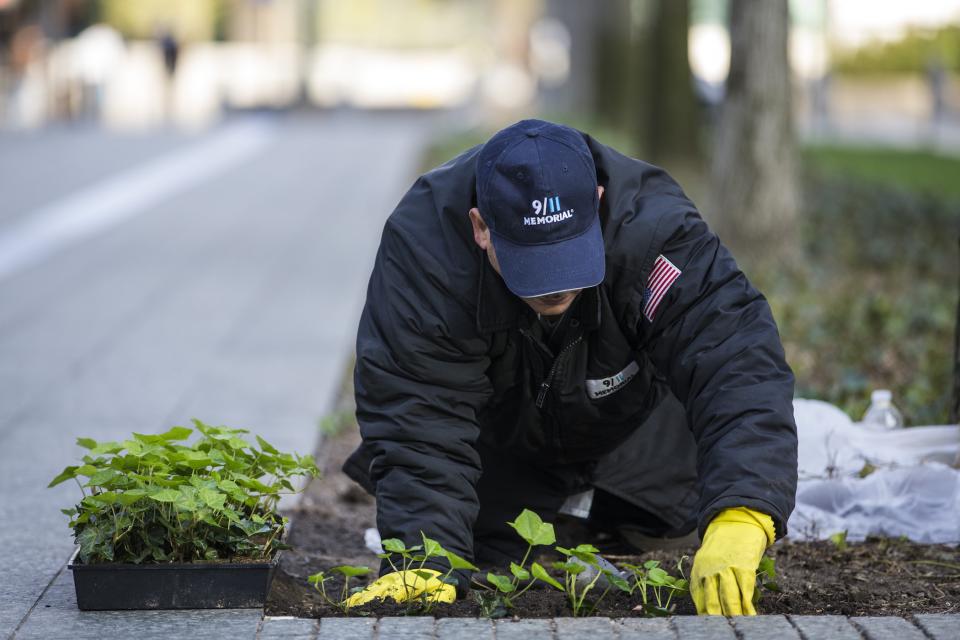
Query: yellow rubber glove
{"x": 392, "y": 586}
{"x": 725, "y": 568}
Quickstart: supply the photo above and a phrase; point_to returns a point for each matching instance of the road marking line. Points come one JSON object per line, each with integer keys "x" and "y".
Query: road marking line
{"x": 102, "y": 205}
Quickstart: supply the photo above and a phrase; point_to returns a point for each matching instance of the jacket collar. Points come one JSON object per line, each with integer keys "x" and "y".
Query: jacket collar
{"x": 499, "y": 310}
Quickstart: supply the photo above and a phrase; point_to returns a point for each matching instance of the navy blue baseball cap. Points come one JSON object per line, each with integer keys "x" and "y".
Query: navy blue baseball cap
{"x": 537, "y": 192}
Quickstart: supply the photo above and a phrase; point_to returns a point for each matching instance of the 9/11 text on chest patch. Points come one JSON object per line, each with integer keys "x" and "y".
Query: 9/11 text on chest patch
{"x": 606, "y": 386}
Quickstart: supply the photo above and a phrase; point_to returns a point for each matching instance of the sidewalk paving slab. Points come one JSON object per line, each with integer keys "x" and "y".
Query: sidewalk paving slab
{"x": 524, "y": 629}
{"x": 288, "y": 628}
{"x": 887, "y": 628}
{"x": 764, "y": 628}
{"x": 823, "y": 627}
{"x": 465, "y": 628}
{"x": 645, "y": 629}
{"x": 594, "y": 628}
{"x": 347, "y": 629}
{"x": 940, "y": 626}
{"x": 703, "y": 628}
{"x": 412, "y": 628}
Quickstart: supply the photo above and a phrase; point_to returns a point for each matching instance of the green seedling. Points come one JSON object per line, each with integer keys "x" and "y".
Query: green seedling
{"x": 663, "y": 586}
{"x": 577, "y": 590}
{"x": 153, "y": 498}
{"x": 319, "y": 580}
{"x": 839, "y": 540}
{"x": 499, "y": 597}
{"x": 413, "y": 559}
{"x": 766, "y": 579}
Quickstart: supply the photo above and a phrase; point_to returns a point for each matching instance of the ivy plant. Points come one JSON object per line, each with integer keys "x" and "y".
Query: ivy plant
{"x": 766, "y": 579}
{"x": 413, "y": 560}
{"x": 155, "y": 498}
{"x": 319, "y": 580}
{"x": 663, "y": 586}
{"x": 496, "y": 600}
{"x": 578, "y": 560}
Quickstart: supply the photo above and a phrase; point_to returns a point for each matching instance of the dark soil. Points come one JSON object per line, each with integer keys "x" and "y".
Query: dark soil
{"x": 878, "y": 577}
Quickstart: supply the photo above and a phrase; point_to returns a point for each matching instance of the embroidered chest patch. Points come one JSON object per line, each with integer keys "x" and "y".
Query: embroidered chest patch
{"x": 606, "y": 386}
{"x": 661, "y": 278}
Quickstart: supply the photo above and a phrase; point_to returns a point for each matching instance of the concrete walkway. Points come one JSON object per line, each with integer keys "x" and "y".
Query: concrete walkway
{"x": 227, "y": 289}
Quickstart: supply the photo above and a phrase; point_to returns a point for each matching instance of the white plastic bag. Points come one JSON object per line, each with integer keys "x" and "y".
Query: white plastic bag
{"x": 910, "y": 490}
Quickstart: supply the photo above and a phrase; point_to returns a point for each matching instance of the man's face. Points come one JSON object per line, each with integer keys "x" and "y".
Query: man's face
{"x": 553, "y": 304}
{"x": 549, "y": 305}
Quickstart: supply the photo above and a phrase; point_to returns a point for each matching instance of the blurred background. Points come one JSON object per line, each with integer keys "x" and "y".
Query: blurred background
{"x": 820, "y": 138}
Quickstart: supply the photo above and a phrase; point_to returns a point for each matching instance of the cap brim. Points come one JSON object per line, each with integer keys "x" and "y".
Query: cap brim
{"x": 542, "y": 269}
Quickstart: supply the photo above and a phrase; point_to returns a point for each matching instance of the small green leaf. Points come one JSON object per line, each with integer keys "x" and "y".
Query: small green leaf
{"x": 266, "y": 446}
{"x": 617, "y": 581}
{"x": 651, "y": 564}
{"x": 573, "y": 568}
{"x": 533, "y": 529}
{"x": 102, "y": 477}
{"x": 767, "y": 567}
{"x": 541, "y": 574}
{"x": 502, "y": 583}
{"x": 839, "y": 540}
{"x": 130, "y": 496}
{"x": 658, "y": 576}
{"x": 212, "y": 498}
{"x": 165, "y": 495}
{"x": 67, "y": 474}
{"x": 176, "y": 433}
{"x": 351, "y": 571}
{"x": 87, "y": 443}
{"x": 237, "y": 443}
{"x": 104, "y": 497}
{"x": 519, "y": 572}
{"x": 458, "y": 563}
{"x": 106, "y": 448}
{"x": 431, "y": 548}
{"x": 393, "y": 545}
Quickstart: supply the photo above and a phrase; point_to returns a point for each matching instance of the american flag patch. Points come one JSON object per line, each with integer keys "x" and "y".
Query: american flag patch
{"x": 661, "y": 278}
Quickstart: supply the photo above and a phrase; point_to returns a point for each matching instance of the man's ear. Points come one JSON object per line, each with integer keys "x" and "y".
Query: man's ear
{"x": 481, "y": 233}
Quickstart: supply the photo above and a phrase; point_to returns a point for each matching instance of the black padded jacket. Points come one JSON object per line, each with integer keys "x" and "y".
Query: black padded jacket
{"x": 446, "y": 355}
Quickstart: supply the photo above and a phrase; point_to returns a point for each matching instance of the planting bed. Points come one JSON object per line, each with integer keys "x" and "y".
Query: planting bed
{"x": 877, "y": 577}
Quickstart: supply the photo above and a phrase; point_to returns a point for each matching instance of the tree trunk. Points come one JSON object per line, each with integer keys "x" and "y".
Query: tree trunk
{"x": 755, "y": 197}
{"x": 665, "y": 107}
{"x": 613, "y": 79}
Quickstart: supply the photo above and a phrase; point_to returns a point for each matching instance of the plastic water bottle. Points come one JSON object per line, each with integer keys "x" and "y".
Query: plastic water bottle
{"x": 881, "y": 413}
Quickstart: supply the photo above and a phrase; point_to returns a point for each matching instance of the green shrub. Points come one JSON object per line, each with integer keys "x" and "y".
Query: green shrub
{"x": 874, "y": 305}
{"x": 909, "y": 54}
{"x": 150, "y": 499}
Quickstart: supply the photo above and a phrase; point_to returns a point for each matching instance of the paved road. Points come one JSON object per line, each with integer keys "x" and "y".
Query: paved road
{"x": 217, "y": 276}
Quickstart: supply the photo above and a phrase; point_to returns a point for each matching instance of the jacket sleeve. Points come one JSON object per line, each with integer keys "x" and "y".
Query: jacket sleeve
{"x": 418, "y": 389}
{"x": 713, "y": 337}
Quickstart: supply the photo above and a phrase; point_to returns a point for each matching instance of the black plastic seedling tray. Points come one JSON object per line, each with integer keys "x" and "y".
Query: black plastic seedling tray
{"x": 103, "y": 587}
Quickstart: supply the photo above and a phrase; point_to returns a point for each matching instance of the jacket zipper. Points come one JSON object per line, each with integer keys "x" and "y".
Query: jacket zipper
{"x": 545, "y": 385}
